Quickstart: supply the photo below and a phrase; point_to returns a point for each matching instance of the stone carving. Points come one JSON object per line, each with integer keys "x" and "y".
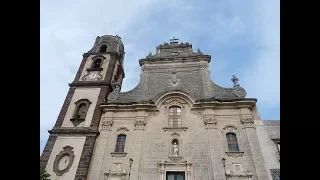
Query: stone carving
{"x": 210, "y": 121}
{"x": 139, "y": 123}
{"x": 116, "y": 172}
{"x": 118, "y": 154}
{"x": 175, "y": 158}
{"x": 199, "y": 52}
{"x": 174, "y": 163}
{"x": 239, "y": 91}
{"x": 247, "y": 121}
{"x": 174, "y": 78}
{"x": 122, "y": 129}
{"x": 151, "y": 114}
{"x": 114, "y": 83}
{"x": 107, "y": 125}
{"x": 114, "y": 94}
{"x": 230, "y": 128}
{"x": 175, "y": 149}
{"x": 196, "y": 112}
{"x": 63, "y": 161}
{"x": 175, "y": 134}
{"x": 175, "y": 102}
{"x": 275, "y": 173}
{"x": 235, "y": 154}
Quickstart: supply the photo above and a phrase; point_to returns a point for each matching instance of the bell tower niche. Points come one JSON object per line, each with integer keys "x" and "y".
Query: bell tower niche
{"x": 105, "y": 50}
{"x": 68, "y": 151}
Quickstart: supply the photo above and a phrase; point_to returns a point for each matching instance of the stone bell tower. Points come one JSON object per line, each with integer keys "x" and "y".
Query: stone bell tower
{"x": 68, "y": 151}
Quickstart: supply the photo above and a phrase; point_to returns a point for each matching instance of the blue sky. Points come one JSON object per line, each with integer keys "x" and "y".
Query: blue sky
{"x": 242, "y": 37}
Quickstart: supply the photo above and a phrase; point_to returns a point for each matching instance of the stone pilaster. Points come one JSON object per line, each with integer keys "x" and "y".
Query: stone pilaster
{"x": 101, "y": 148}
{"x": 252, "y": 141}
{"x": 139, "y": 127}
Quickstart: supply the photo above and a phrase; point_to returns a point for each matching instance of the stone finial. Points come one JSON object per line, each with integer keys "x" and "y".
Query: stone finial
{"x": 150, "y": 54}
{"x": 235, "y": 80}
{"x": 199, "y": 51}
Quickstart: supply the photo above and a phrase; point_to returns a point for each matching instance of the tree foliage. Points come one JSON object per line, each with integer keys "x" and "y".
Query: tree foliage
{"x": 44, "y": 175}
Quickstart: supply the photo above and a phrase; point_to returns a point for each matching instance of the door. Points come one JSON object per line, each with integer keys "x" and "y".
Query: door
{"x": 175, "y": 175}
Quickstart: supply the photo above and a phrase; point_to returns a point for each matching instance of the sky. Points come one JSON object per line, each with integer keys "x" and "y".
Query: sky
{"x": 242, "y": 37}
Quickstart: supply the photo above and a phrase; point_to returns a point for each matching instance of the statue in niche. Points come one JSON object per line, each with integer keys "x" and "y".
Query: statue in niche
{"x": 175, "y": 149}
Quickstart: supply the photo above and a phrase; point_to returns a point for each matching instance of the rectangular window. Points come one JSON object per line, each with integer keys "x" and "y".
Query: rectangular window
{"x": 174, "y": 118}
{"x": 175, "y": 176}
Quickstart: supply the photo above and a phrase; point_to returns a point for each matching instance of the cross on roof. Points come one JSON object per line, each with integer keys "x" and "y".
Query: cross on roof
{"x": 173, "y": 39}
{"x": 234, "y": 79}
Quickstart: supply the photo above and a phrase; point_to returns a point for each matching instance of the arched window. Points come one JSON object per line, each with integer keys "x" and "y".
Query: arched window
{"x": 232, "y": 142}
{"x": 80, "y": 112}
{"x": 174, "y": 117}
{"x": 103, "y": 48}
{"x": 121, "y": 140}
{"x": 96, "y": 64}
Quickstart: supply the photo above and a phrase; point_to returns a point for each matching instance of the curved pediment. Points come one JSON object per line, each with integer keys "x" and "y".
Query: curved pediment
{"x": 166, "y": 73}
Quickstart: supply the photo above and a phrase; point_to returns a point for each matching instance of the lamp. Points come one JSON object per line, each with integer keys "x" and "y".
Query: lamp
{"x": 223, "y": 161}
{"x": 130, "y": 162}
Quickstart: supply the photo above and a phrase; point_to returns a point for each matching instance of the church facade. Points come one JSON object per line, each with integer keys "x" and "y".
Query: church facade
{"x": 176, "y": 124}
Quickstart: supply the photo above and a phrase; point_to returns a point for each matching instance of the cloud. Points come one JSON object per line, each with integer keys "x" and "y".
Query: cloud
{"x": 262, "y": 77}
{"x": 241, "y": 36}
{"x": 67, "y": 30}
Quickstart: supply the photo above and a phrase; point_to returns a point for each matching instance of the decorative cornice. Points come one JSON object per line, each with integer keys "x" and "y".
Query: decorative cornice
{"x": 94, "y": 69}
{"x": 122, "y": 173}
{"x": 175, "y": 158}
{"x": 198, "y": 104}
{"x": 239, "y": 174}
{"x": 118, "y": 154}
{"x": 74, "y": 130}
{"x": 235, "y": 154}
{"x": 99, "y": 53}
{"x": 128, "y": 107}
{"x": 169, "y": 129}
{"x": 89, "y": 83}
{"x": 227, "y": 99}
{"x": 170, "y": 59}
{"x": 174, "y": 102}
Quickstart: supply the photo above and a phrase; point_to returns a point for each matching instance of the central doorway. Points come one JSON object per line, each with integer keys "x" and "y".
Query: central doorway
{"x": 171, "y": 175}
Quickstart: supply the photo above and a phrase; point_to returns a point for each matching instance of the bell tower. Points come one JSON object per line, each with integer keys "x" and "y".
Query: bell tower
{"x": 68, "y": 151}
